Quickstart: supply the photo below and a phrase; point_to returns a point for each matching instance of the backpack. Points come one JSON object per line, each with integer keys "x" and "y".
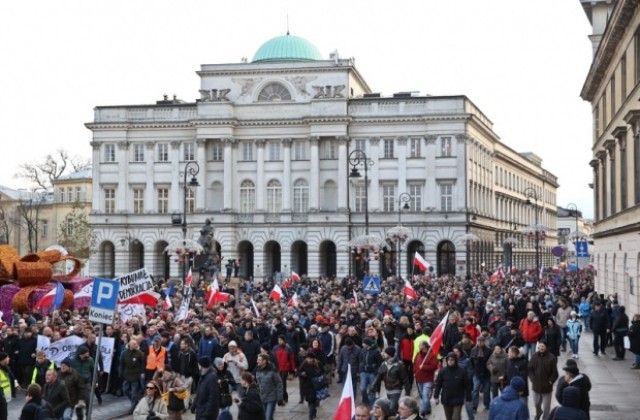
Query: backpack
{"x": 44, "y": 411}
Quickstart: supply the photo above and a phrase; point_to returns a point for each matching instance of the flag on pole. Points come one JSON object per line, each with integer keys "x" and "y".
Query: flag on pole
{"x": 276, "y": 293}
{"x": 189, "y": 279}
{"x": 347, "y": 406}
{"x": 541, "y": 273}
{"x": 438, "y": 335}
{"x": 409, "y": 291}
{"x": 255, "y": 307}
{"x": 215, "y": 295}
{"x": 85, "y": 292}
{"x": 147, "y": 298}
{"x": 420, "y": 262}
{"x": 166, "y": 303}
{"x": 293, "y": 302}
{"x": 53, "y": 299}
{"x": 354, "y": 300}
{"x": 295, "y": 276}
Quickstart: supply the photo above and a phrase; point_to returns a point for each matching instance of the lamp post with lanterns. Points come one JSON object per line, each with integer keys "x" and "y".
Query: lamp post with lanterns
{"x": 537, "y": 230}
{"x": 357, "y": 158}
{"x": 191, "y": 169}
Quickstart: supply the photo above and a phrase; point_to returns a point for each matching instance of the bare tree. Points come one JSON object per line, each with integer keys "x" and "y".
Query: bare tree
{"x": 75, "y": 233}
{"x": 6, "y": 221}
{"x": 42, "y": 174}
{"x": 29, "y": 209}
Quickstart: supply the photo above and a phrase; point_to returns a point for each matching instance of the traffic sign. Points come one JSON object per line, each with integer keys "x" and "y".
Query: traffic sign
{"x": 104, "y": 300}
{"x": 557, "y": 251}
{"x": 582, "y": 249}
{"x": 371, "y": 285}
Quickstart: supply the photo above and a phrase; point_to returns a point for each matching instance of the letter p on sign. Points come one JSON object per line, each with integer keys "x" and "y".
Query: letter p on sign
{"x": 105, "y": 291}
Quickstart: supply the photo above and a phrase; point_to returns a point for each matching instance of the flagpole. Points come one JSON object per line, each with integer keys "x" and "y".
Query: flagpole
{"x": 92, "y": 385}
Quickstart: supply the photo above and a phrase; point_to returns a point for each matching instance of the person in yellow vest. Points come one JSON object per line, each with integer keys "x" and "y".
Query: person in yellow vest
{"x": 40, "y": 368}
{"x": 156, "y": 359}
{"x": 8, "y": 384}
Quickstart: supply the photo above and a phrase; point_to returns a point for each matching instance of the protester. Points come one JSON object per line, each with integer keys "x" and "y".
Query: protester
{"x": 509, "y": 405}
{"x": 453, "y": 388}
{"x": 393, "y": 374}
{"x": 269, "y": 385}
{"x": 151, "y": 406}
{"x": 206, "y": 404}
{"x": 543, "y": 372}
{"x": 250, "y": 406}
{"x": 599, "y": 324}
{"x": 408, "y": 409}
{"x": 569, "y": 409}
{"x": 33, "y": 403}
{"x": 634, "y": 340}
{"x": 573, "y": 377}
{"x": 76, "y": 388}
{"x": 177, "y": 392}
{"x": 620, "y": 329}
{"x": 497, "y": 365}
{"x": 307, "y": 371}
{"x": 574, "y": 331}
{"x": 132, "y": 365}
{"x": 382, "y": 410}
{"x": 55, "y": 393}
{"x": 424, "y": 368}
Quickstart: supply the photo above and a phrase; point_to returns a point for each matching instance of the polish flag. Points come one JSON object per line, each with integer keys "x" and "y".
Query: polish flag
{"x": 293, "y": 302}
{"x": 255, "y": 307}
{"x": 147, "y": 298}
{"x": 85, "y": 292}
{"x": 276, "y": 293}
{"x": 438, "y": 335}
{"x": 347, "y": 407}
{"x": 53, "y": 299}
{"x": 166, "y": 303}
{"x": 420, "y": 262}
{"x": 409, "y": 290}
{"x": 354, "y": 300}
{"x": 295, "y": 276}
{"x": 187, "y": 281}
{"x": 215, "y": 295}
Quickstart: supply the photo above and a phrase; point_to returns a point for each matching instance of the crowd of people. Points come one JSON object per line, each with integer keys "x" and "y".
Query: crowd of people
{"x": 499, "y": 347}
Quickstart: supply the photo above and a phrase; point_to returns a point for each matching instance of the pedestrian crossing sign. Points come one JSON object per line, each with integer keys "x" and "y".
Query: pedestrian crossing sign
{"x": 371, "y": 285}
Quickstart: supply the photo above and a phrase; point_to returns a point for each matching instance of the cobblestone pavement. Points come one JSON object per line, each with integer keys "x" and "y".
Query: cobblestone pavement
{"x": 615, "y": 393}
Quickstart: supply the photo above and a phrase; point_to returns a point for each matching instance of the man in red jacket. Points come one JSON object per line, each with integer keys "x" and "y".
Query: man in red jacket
{"x": 424, "y": 369}
{"x": 531, "y": 330}
{"x": 286, "y": 363}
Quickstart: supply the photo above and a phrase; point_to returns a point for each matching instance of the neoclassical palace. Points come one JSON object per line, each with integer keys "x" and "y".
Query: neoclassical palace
{"x": 301, "y": 166}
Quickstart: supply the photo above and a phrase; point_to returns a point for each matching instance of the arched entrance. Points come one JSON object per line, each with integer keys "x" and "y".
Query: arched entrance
{"x": 446, "y": 258}
{"x": 136, "y": 255}
{"x": 272, "y": 258}
{"x": 328, "y": 257}
{"x": 412, "y": 248}
{"x": 107, "y": 261}
{"x": 245, "y": 253}
{"x": 161, "y": 260}
{"x": 299, "y": 257}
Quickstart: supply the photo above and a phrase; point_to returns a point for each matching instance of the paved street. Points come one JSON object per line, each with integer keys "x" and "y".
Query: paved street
{"x": 615, "y": 393}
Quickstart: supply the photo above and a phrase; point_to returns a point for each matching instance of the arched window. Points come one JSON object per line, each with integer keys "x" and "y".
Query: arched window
{"x": 247, "y": 197}
{"x": 274, "y": 92}
{"x": 300, "y": 196}
{"x": 274, "y": 196}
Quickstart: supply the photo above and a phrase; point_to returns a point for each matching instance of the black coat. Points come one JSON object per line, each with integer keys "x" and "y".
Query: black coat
{"x": 583, "y": 383}
{"x": 455, "y": 386}
{"x": 599, "y": 320}
{"x": 634, "y": 337}
{"x": 306, "y": 372}
{"x": 518, "y": 367}
{"x": 250, "y": 408}
{"x": 57, "y": 395}
{"x": 207, "y": 400}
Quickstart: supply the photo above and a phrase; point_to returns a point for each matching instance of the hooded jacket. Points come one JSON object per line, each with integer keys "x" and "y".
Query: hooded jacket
{"x": 569, "y": 409}
{"x": 508, "y": 406}
{"x": 454, "y": 384}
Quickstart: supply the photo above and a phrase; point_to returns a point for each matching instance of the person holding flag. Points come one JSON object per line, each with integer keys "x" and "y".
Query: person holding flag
{"x": 52, "y": 300}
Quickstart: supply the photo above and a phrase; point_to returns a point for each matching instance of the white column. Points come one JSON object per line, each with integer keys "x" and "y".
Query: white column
{"x": 228, "y": 172}
{"x": 314, "y": 176}
{"x": 98, "y": 202}
{"x": 122, "y": 202}
{"x": 286, "y": 176}
{"x": 150, "y": 193}
{"x": 402, "y": 164}
{"x": 176, "y": 192}
{"x": 374, "y": 178}
{"x": 343, "y": 179}
{"x": 201, "y": 192}
{"x": 260, "y": 189}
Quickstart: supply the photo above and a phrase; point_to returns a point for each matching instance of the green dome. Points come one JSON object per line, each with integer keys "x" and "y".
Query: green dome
{"x": 287, "y": 48}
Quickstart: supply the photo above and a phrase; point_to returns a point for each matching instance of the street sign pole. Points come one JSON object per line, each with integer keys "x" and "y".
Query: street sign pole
{"x": 94, "y": 377}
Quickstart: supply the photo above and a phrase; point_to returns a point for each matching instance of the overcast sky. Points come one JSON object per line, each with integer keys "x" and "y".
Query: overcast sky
{"x": 522, "y": 63}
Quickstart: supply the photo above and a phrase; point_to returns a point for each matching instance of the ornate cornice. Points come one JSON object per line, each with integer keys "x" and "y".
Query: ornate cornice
{"x": 343, "y": 139}
{"x": 314, "y": 140}
{"x": 430, "y": 139}
{"x": 95, "y": 145}
{"x": 633, "y": 119}
{"x": 149, "y": 145}
{"x": 201, "y": 142}
{"x": 123, "y": 145}
{"x": 228, "y": 141}
{"x": 374, "y": 140}
{"x": 175, "y": 144}
{"x": 260, "y": 143}
{"x": 462, "y": 137}
{"x": 287, "y": 141}
{"x": 402, "y": 140}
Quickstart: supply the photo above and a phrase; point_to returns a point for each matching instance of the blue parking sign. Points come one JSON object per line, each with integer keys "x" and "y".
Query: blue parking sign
{"x": 104, "y": 299}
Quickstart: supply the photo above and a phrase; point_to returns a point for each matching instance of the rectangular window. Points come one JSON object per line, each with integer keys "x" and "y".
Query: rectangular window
{"x": 138, "y": 200}
{"x": 109, "y": 152}
{"x": 163, "y": 200}
{"x": 446, "y": 196}
{"x": 445, "y": 146}
{"x": 623, "y": 77}
{"x": 415, "y": 191}
{"x": 109, "y": 200}
{"x": 163, "y": 152}
{"x": 138, "y": 152}
{"x": 361, "y": 198}
{"x": 274, "y": 150}
{"x": 389, "y": 197}
{"x": 637, "y": 57}
{"x": 361, "y": 144}
{"x": 217, "y": 151}
{"x": 78, "y": 194}
{"x": 69, "y": 229}
{"x": 330, "y": 149}
{"x": 414, "y": 147}
{"x": 44, "y": 228}
{"x": 191, "y": 200}
{"x": 388, "y": 149}
{"x": 299, "y": 150}
{"x": 596, "y": 122}
{"x": 62, "y": 195}
{"x": 189, "y": 151}
{"x": 612, "y": 100}
{"x": 247, "y": 150}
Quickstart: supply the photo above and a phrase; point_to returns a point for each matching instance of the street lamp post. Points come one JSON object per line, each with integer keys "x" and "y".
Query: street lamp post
{"x": 576, "y": 238}
{"x": 402, "y": 198}
{"x": 471, "y": 217}
{"x": 356, "y": 158}
{"x": 531, "y": 193}
{"x": 191, "y": 169}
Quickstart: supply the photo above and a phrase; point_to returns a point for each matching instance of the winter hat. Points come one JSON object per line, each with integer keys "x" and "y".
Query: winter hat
{"x": 232, "y": 344}
{"x": 83, "y": 350}
{"x": 572, "y": 369}
{"x": 204, "y": 361}
{"x": 518, "y": 384}
{"x": 571, "y": 397}
{"x": 66, "y": 361}
{"x": 218, "y": 362}
{"x": 391, "y": 351}
{"x": 384, "y": 405}
{"x": 452, "y": 355}
{"x": 574, "y": 313}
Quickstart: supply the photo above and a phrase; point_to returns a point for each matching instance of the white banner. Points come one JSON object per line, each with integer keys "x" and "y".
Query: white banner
{"x": 67, "y": 347}
{"x": 183, "y": 312}
{"x": 134, "y": 284}
{"x": 86, "y": 291}
{"x": 130, "y": 310}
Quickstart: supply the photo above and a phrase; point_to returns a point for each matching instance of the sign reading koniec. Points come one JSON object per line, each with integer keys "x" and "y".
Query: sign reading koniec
{"x": 104, "y": 299}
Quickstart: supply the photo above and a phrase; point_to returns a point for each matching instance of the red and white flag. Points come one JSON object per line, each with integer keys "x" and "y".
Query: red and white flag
{"x": 420, "y": 262}
{"x": 216, "y": 295}
{"x": 293, "y": 302}
{"x": 255, "y": 307}
{"x": 409, "y": 291}
{"x": 276, "y": 293}
{"x": 187, "y": 281}
{"x": 295, "y": 276}
{"x": 438, "y": 335}
{"x": 166, "y": 303}
{"x": 354, "y": 299}
{"x": 347, "y": 407}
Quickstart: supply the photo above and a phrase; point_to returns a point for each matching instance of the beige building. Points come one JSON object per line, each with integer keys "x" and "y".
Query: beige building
{"x": 612, "y": 88}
